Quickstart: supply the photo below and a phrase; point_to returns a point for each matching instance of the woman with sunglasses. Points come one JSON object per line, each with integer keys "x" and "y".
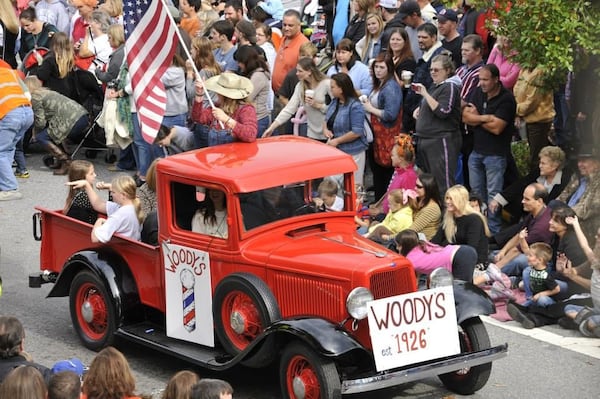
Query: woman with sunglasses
{"x": 428, "y": 216}
{"x": 438, "y": 122}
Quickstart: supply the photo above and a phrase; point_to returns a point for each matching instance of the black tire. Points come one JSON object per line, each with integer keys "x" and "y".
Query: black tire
{"x": 91, "y": 154}
{"x": 305, "y": 374}
{"x": 473, "y": 337}
{"x": 243, "y": 307}
{"x": 93, "y": 312}
{"x": 110, "y": 158}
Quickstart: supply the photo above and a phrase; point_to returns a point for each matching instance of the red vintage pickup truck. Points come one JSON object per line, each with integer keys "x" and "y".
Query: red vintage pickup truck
{"x": 280, "y": 281}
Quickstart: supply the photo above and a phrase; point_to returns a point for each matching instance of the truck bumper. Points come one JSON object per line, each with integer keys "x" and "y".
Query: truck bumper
{"x": 390, "y": 378}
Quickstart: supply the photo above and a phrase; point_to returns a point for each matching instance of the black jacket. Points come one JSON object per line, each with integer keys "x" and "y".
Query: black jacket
{"x": 7, "y": 365}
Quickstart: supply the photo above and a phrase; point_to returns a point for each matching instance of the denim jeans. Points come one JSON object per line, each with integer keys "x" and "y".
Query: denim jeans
{"x": 12, "y": 129}
{"x": 486, "y": 178}
{"x": 515, "y": 267}
{"x": 143, "y": 149}
{"x": 543, "y": 301}
{"x": 20, "y": 157}
{"x": 263, "y": 124}
{"x": 75, "y": 135}
{"x": 200, "y": 135}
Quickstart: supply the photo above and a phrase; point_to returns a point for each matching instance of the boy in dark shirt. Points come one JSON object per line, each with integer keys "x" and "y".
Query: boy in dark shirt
{"x": 539, "y": 283}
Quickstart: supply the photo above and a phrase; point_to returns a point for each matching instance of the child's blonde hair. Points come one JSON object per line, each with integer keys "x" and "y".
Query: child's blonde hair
{"x": 402, "y": 197}
{"x": 126, "y": 185}
{"x": 542, "y": 251}
{"x": 328, "y": 187}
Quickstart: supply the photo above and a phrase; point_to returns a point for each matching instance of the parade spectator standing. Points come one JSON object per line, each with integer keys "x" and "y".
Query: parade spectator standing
{"x": 490, "y": 112}
{"x": 96, "y": 44}
{"x": 233, "y": 11}
{"x": 356, "y": 27}
{"x": 344, "y": 123}
{"x": 346, "y": 61}
{"x": 535, "y": 109}
{"x": 383, "y": 107}
{"x": 12, "y": 349}
{"x": 430, "y": 47}
{"x": 583, "y": 192}
{"x": 16, "y": 116}
{"x": 410, "y": 14}
{"x": 190, "y": 21}
{"x": 452, "y": 40}
{"x": 54, "y": 13}
{"x": 438, "y": 120}
{"x": 80, "y": 25}
{"x": 502, "y": 56}
{"x": 389, "y": 13}
{"x": 58, "y": 65}
{"x": 512, "y": 258}
{"x": 370, "y": 45}
{"x": 472, "y": 59}
{"x": 428, "y": 13}
{"x": 288, "y": 52}
{"x": 221, "y": 34}
{"x": 116, "y": 39}
{"x": 35, "y": 33}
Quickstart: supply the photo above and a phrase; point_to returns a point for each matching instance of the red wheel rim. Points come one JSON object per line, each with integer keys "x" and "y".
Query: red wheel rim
{"x": 241, "y": 319}
{"x": 302, "y": 380}
{"x": 95, "y": 321}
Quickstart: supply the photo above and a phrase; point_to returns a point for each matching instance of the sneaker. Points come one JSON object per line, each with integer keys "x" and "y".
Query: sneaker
{"x": 519, "y": 316}
{"x": 10, "y": 195}
{"x": 493, "y": 272}
{"x": 22, "y": 174}
{"x": 499, "y": 291}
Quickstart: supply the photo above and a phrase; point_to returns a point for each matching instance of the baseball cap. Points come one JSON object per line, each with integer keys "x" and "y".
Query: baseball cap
{"x": 75, "y": 365}
{"x": 407, "y": 8}
{"x": 389, "y": 4}
{"x": 589, "y": 153}
{"x": 447, "y": 14}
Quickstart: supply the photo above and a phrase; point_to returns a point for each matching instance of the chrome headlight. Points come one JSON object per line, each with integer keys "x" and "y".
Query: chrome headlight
{"x": 440, "y": 277}
{"x": 356, "y": 303}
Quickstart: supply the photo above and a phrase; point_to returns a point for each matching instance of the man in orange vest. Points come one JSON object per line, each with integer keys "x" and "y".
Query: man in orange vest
{"x": 16, "y": 116}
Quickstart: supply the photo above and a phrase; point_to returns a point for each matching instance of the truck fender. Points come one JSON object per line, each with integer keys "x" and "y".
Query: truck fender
{"x": 471, "y": 301}
{"x": 111, "y": 268}
{"x": 324, "y": 337}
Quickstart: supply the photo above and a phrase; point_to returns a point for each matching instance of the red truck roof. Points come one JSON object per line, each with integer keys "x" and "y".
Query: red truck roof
{"x": 247, "y": 167}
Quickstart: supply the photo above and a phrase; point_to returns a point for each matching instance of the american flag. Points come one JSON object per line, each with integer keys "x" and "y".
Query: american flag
{"x": 150, "y": 42}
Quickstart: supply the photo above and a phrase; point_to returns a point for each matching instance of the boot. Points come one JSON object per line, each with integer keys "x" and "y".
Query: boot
{"x": 64, "y": 168}
{"x": 61, "y": 158}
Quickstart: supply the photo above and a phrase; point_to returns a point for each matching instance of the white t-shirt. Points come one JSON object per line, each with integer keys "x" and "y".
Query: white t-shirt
{"x": 338, "y": 205}
{"x": 219, "y": 229}
{"x": 122, "y": 220}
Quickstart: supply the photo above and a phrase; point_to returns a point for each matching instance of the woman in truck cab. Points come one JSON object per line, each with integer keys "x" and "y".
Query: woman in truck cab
{"x": 124, "y": 212}
{"x": 211, "y": 217}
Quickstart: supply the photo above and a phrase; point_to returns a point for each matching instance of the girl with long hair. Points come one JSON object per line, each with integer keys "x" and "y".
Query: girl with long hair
{"x": 124, "y": 211}
{"x": 180, "y": 385}
{"x": 254, "y": 67}
{"x": 109, "y": 377}
{"x": 58, "y": 65}
{"x": 383, "y": 107}
{"x": 462, "y": 224}
{"x": 369, "y": 46}
{"x": 211, "y": 218}
{"x": 77, "y": 204}
{"x": 400, "y": 52}
{"x": 344, "y": 123}
{"x": 311, "y": 79}
{"x": 23, "y": 382}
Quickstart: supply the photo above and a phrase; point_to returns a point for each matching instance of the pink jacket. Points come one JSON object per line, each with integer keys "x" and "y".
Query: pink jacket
{"x": 509, "y": 72}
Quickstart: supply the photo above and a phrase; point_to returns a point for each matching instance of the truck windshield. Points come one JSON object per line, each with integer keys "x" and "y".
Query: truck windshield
{"x": 286, "y": 201}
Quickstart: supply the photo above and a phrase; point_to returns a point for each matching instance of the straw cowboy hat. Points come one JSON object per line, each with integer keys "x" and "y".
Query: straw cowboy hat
{"x": 230, "y": 85}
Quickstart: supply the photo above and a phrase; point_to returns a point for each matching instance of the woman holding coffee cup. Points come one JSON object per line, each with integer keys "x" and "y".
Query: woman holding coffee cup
{"x": 310, "y": 93}
{"x": 383, "y": 108}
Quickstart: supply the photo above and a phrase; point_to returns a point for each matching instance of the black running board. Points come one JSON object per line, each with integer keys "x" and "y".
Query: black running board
{"x": 149, "y": 335}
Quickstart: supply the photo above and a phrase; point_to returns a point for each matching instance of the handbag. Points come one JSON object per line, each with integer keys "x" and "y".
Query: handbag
{"x": 383, "y": 140}
{"x": 368, "y": 129}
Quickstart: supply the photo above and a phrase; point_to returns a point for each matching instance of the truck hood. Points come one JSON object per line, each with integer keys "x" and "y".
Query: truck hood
{"x": 331, "y": 246}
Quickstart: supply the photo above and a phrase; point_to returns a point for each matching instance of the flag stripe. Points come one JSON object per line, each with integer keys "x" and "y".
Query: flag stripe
{"x": 150, "y": 45}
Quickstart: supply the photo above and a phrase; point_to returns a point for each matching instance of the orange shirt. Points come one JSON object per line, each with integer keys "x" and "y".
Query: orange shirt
{"x": 190, "y": 25}
{"x": 287, "y": 58}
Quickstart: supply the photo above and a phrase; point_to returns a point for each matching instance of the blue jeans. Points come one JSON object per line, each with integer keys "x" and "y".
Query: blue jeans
{"x": 515, "y": 267}
{"x": 143, "y": 150}
{"x": 263, "y": 124}
{"x": 543, "y": 301}
{"x": 486, "y": 177}
{"x": 76, "y": 134}
{"x": 200, "y": 135}
{"x": 20, "y": 157}
{"x": 12, "y": 129}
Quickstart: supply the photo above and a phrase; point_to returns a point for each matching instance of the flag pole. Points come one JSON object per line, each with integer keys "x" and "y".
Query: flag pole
{"x": 189, "y": 57}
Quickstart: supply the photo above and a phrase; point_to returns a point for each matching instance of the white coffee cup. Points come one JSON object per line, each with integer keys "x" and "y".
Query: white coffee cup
{"x": 309, "y": 94}
{"x": 363, "y": 98}
{"x": 406, "y": 77}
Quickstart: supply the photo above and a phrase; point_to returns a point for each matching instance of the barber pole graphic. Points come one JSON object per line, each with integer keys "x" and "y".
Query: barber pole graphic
{"x": 189, "y": 305}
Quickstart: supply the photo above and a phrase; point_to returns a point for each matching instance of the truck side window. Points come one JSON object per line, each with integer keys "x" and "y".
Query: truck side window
{"x": 185, "y": 204}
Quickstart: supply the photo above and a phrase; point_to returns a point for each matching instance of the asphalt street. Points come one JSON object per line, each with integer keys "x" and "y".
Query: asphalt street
{"x": 542, "y": 363}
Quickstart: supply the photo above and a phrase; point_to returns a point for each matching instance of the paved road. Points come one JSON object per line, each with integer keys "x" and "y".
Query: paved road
{"x": 542, "y": 363}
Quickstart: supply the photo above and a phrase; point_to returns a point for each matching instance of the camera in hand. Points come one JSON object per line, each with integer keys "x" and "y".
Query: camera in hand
{"x": 113, "y": 84}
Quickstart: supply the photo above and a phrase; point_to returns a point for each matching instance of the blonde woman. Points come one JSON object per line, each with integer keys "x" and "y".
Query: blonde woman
{"x": 124, "y": 211}
{"x": 462, "y": 224}
{"x": 369, "y": 46}
{"x": 9, "y": 30}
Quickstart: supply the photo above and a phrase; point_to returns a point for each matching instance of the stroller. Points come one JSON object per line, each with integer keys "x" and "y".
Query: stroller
{"x": 90, "y": 95}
